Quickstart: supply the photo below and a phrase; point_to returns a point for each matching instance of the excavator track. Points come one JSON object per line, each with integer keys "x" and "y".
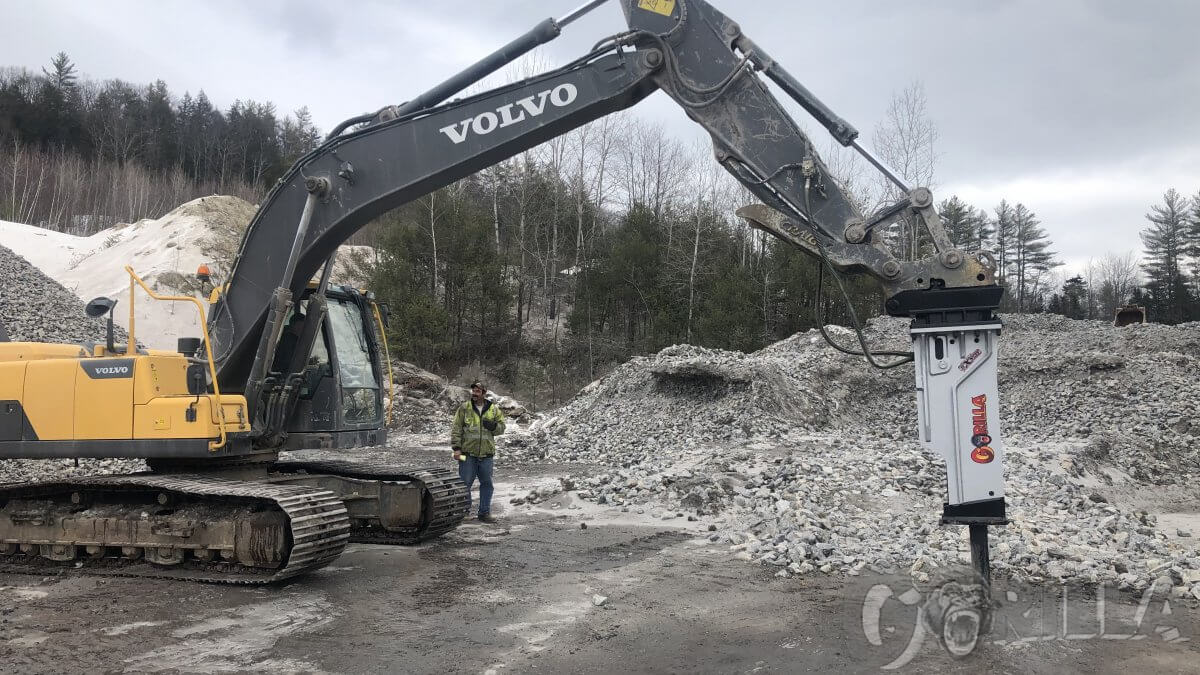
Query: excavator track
{"x": 183, "y": 527}
{"x": 445, "y": 501}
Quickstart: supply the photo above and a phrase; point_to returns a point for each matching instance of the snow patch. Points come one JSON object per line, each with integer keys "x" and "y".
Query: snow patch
{"x": 202, "y": 231}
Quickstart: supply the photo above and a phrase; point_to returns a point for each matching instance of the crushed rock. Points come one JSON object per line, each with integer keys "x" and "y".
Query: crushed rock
{"x": 806, "y": 459}
{"x": 423, "y": 402}
{"x": 36, "y": 308}
{"x": 21, "y": 470}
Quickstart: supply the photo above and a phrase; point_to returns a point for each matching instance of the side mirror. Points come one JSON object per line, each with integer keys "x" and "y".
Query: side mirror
{"x": 385, "y": 313}
{"x": 97, "y": 308}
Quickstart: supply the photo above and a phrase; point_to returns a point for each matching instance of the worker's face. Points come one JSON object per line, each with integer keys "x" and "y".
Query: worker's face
{"x": 477, "y": 394}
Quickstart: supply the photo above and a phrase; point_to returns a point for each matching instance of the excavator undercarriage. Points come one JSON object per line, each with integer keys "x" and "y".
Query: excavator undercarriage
{"x": 273, "y": 522}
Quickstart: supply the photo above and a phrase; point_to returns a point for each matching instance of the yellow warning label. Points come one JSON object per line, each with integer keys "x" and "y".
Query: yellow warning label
{"x": 664, "y": 7}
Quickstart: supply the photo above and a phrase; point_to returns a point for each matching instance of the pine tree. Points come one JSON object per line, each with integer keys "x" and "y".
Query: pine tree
{"x": 1004, "y": 227}
{"x": 1194, "y": 240}
{"x": 959, "y": 220}
{"x": 984, "y": 231}
{"x": 1074, "y": 298}
{"x": 1031, "y": 249}
{"x": 62, "y": 73}
{"x": 57, "y": 121}
{"x": 297, "y": 136}
{"x": 1166, "y": 242}
{"x": 160, "y": 115}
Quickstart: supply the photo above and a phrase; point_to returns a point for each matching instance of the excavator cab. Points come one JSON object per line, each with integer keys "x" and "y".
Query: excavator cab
{"x": 341, "y": 395}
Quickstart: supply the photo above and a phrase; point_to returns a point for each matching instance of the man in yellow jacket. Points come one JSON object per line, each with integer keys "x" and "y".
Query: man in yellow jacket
{"x": 473, "y": 433}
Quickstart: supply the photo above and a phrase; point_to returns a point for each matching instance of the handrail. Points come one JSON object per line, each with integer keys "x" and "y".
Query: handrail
{"x": 387, "y": 357}
{"x": 213, "y": 446}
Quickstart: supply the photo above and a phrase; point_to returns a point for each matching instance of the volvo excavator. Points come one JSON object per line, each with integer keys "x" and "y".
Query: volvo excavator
{"x": 287, "y": 360}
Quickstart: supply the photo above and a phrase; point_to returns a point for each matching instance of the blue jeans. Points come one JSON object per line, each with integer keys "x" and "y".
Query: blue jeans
{"x": 481, "y": 467}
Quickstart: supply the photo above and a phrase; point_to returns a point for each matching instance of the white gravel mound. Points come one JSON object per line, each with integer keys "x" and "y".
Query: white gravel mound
{"x": 165, "y": 252}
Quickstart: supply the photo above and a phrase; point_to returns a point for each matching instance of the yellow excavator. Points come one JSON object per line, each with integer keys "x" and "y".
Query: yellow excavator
{"x": 288, "y": 360}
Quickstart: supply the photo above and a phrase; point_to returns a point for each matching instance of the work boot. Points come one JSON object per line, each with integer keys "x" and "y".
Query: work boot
{"x": 487, "y": 518}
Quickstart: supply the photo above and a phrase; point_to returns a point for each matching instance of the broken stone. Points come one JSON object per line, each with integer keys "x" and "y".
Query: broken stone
{"x": 798, "y": 444}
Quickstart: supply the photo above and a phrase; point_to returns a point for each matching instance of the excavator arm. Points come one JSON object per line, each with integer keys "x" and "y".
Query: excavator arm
{"x": 357, "y": 176}
{"x": 701, "y": 59}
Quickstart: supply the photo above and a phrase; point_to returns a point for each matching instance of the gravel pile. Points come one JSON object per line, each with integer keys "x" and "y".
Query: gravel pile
{"x": 21, "y": 470}
{"x": 685, "y": 397}
{"x": 424, "y": 403}
{"x": 806, "y": 459}
{"x": 1130, "y": 396}
{"x": 35, "y": 308}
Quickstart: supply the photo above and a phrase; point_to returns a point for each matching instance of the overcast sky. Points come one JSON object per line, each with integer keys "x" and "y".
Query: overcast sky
{"x": 1085, "y": 111}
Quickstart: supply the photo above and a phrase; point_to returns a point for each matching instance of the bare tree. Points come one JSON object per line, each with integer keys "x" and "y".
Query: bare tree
{"x": 430, "y": 205}
{"x": 494, "y": 177}
{"x": 556, "y": 154}
{"x": 1117, "y": 278}
{"x": 905, "y": 140}
{"x": 652, "y": 166}
{"x": 705, "y": 186}
{"x": 851, "y": 172}
{"x": 523, "y": 168}
{"x": 525, "y": 171}
{"x": 609, "y": 130}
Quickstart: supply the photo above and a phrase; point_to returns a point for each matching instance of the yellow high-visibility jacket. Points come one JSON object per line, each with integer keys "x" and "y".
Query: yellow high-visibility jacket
{"x": 468, "y": 434}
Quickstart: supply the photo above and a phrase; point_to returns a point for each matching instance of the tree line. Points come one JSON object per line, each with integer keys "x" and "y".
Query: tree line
{"x": 80, "y": 155}
{"x": 1171, "y": 263}
{"x": 613, "y": 240}
{"x": 1165, "y": 280}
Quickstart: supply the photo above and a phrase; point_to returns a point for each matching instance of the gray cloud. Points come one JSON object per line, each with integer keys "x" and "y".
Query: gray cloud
{"x": 1083, "y": 110}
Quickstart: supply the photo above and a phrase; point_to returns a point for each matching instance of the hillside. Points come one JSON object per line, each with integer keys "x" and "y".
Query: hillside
{"x": 165, "y": 252}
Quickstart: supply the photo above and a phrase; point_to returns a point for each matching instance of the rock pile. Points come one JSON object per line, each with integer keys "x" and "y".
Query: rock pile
{"x": 685, "y": 397}
{"x": 424, "y": 401}
{"x": 35, "y": 308}
{"x": 806, "y": 458}
{"x": 21, "y": 470}
{"x": 1130, "y": 396}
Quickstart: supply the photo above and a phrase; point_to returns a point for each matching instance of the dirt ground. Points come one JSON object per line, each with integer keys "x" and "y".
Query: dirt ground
{"x": 519, "y": 596}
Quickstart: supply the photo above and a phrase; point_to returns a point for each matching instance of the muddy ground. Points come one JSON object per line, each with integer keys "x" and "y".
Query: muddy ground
{"x": 519, "y": 596}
